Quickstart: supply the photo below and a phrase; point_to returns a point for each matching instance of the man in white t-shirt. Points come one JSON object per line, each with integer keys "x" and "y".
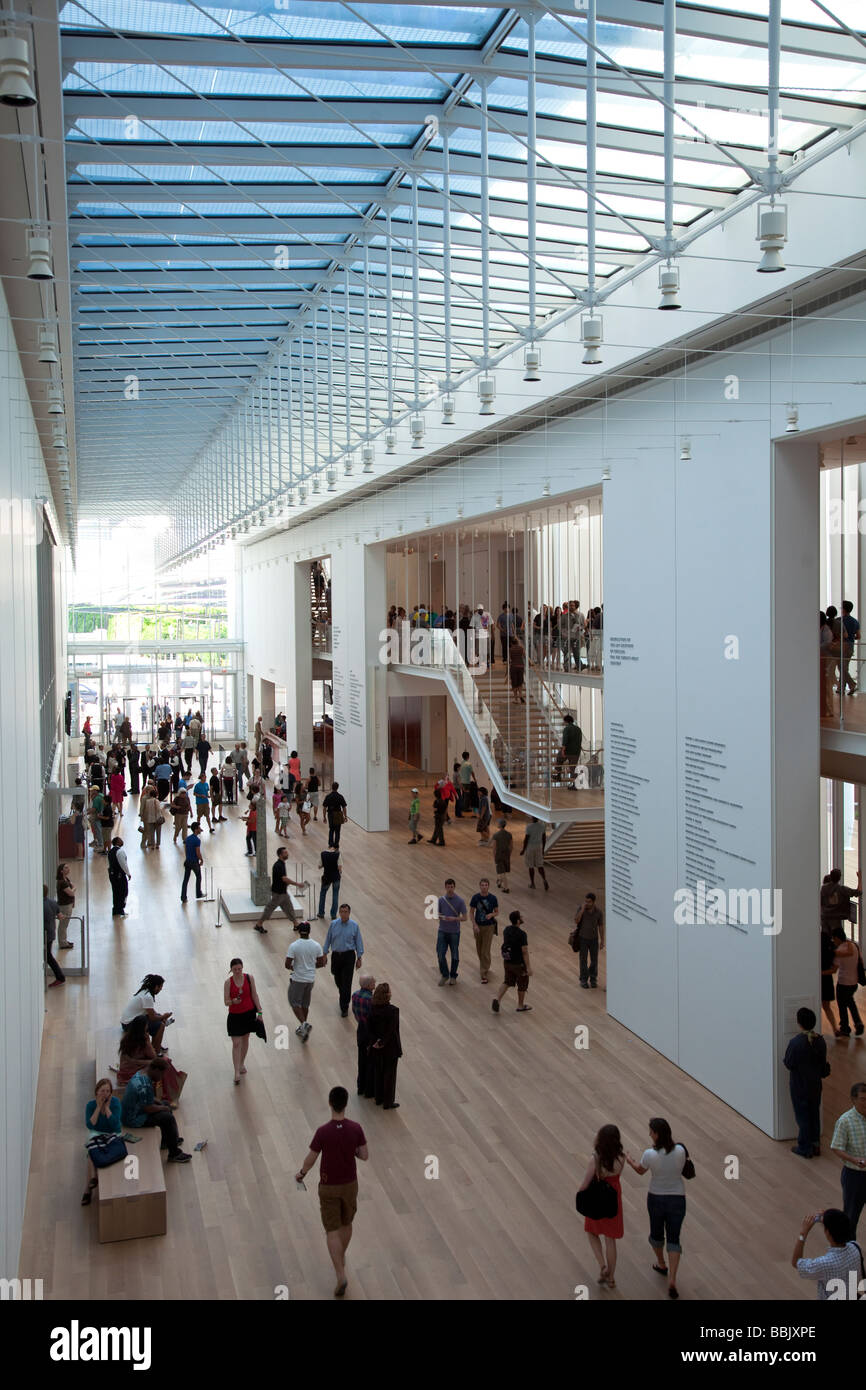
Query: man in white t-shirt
{"x": 304, "y": 957}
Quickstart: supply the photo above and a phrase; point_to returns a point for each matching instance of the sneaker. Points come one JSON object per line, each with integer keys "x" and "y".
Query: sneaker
{"x": 859, "y": 1031}
{"x": 443, "y": 980}
{"x": 308, "y": 1028}
{"x": 68, "y": 945}
{"x": 259, "y": 928}
{"x": 494, "y": 1004}
{"x": 299, "y": 1030}
{"x": 179, "y": 1157}
{"x": 584, "y": 984}
{"x": 452, "y": 982}
{"x": 183, "y": 900}
{"x": 593, "y": 984}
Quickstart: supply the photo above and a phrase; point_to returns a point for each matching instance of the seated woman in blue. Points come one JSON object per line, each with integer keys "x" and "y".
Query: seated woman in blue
{"x": 102, "y": 1116}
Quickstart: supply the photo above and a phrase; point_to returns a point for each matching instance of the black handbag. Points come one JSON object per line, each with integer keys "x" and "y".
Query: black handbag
{"x": 105, "y": 1149}
{"x": 259, "y": 1029}
{"x": 688, "y": 1166}
{"x": 598, "y": 1201}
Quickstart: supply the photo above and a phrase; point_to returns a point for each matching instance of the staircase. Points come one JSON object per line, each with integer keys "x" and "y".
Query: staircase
{"x": 578, "y": 840}
{"x": 320, "y": 617}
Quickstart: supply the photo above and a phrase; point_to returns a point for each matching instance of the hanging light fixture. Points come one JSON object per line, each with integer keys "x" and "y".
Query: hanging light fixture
{"x": 348, "y": 466}
{"x": 486, "y": 394}
{"x": 302, "y": 494}
{"x": 48, "y": 345}
{"x": 545, "y": 491}
{"x": 772, "y": 235}
{"x": 331, "y": 476}
{"x": 449, "y": 407}
{"x": 605, "y": 473}
{"x": 58, "y": 441}
{"x": 592, "y": 332}
{"x": 39, "y": 253}
{"x": 685, "y": 448}
{"x": 532, "y": 363}
{"x": 16, "y": 76}
{"x": 416, "y": 429}
{"x": 792, "y": 419}
{"x": 368, "y": 457}
{"x": 669, "y": 284}
{"x": 55, "y": 401}
{"x": 316, "y": 483}
{"x": 390, "y": 442}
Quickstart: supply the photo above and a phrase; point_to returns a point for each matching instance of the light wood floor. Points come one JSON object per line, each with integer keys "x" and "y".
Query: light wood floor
{"x": 506, "y": 1105}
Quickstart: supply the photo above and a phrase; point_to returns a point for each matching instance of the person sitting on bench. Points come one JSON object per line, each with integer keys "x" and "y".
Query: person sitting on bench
{"x": 102, "y": 1116}
{"x": 141, "y": 1109}
{"x": 144, "y": 1002}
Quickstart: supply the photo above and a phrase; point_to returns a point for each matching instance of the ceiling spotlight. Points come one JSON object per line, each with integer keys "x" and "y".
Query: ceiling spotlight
{"x": 348, "y": 465}
{"x": 16, "y": 79}
{"x": 545, "y": 491}
{"x": 48, "y": 345}
{"x": 331, "y": 476}
{"x": 685, "y": 448}
{"x": 669, "y": 284}
{"x": 449, "y": 406}
{"x": 55, "y": 400}
{"x": 486, "y": 394}
{"x": 605, "y": 473}
{"x": 390, "y": 442}
{"x": 302, "y": 494}
{"x": 592, "y": 329}
{"x": 531, "y": 363}
{"x": 772, "y": 235}
{"x": 39, "y": 251}
{"x": 316, "y": 483}
{"x": 792, "y": 420}
{"x": 416, "y": 429}
{"x": 368, "y": 457}
{"x": 59, "y": 441}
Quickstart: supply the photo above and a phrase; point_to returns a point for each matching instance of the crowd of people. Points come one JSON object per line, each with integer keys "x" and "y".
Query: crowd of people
{"x": 152, "y": 1083}
{"x": 561, "y": 637}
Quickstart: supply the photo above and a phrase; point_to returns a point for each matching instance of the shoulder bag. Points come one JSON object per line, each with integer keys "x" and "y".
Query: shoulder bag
{"x": 598, "y": 1201}
{"x": 688, "y": 1166}
{"x": 105, "y": 1149}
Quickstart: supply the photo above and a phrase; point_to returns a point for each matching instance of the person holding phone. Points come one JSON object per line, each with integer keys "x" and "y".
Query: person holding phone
{"x": 838, "y": 1263}
{"x": 241, "y": 998}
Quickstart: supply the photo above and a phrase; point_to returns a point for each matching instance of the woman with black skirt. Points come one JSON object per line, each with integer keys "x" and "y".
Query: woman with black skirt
{"x": 385, "y": 1047}
{"x": 241, "y": 998}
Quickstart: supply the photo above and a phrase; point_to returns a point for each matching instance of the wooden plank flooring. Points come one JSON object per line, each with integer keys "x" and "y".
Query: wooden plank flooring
{"x": 506, "y": 1104}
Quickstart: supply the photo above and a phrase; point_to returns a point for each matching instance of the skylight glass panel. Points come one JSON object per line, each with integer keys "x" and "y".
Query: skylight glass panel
{"x": 231, "y": 173}
{"x": 307, "y": 19}
{"x": 254, "y": 82}
{"x": 251, "y": 132}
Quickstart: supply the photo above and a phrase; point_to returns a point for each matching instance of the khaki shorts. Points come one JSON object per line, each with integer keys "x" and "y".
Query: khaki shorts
{"x": 338, "y": 1203}
{"x": 300, "y": 993}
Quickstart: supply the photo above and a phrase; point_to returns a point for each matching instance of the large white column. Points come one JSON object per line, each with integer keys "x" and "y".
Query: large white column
{"x": 359, "y": 610}
{"x": 711, "y": 752}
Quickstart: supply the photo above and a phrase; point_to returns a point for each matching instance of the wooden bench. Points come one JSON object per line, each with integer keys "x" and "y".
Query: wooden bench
{"x": 107, "y": 1043}
{"x": 132, "y": 1207}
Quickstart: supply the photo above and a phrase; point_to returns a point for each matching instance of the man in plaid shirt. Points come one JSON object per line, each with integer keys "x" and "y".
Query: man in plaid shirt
{"x": 362, "y": 1002}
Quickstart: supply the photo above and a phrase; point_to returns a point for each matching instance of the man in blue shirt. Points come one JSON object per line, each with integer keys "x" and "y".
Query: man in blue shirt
{"x": 192, "y": 861}
{"x": 452, "y": 911}
{"x": 140, "y": 1109}
{"x": 162, "y": 773}
{"x": 201, "y": 792}
{"x": 484, "y": 909}
{"x": 344, "y": 942}
{"x": 851, "y": 629}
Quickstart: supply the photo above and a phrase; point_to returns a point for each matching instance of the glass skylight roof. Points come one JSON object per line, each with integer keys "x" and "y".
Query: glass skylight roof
{"x": 177, "y": 150}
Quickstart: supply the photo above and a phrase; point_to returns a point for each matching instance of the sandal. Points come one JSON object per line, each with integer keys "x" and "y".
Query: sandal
{"x": 602, "y": 1278}
{"x": 87, "y": 1196}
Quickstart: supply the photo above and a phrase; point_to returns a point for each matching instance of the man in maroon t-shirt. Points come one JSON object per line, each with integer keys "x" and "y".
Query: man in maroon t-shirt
{"x": 340, "y": 1142}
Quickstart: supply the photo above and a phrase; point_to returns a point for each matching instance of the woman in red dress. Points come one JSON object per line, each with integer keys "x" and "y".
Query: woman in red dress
{"x": 607, "y": 1162}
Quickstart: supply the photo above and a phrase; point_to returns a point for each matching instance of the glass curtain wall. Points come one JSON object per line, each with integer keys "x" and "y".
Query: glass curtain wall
{"x": 843, "y": 576}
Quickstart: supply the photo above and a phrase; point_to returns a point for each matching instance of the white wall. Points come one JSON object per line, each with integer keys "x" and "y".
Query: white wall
{"x": 22, "y": 478}
{"x": 691, "y": 559}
